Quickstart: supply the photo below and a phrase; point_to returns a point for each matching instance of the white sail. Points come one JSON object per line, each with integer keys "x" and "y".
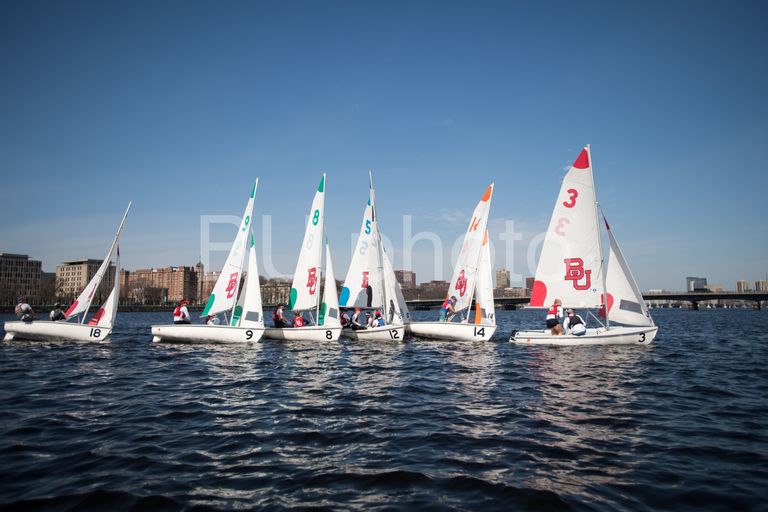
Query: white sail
{"x": 570, "y": 265}
{"x": 363, "y": 284}
{"x": 305, "y": 290}
{"x": 465, "y": 273}
{"x": 485, "y": 313}
{"x": 404, "y": 311}
{"x": 248, "y": 312}
{"x": 225, "y": 291}
{"x": 83, "y": 301}
{"x": 329, "y": 309}
{"x": 392, "y": 310}
{"x": 105, "y": 316}
{"x": 625, "y": 302}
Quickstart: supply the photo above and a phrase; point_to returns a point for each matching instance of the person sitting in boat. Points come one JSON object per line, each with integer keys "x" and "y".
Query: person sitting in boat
{"x": 446, "y": 310}
{"x": 278, "y": 317}
{"x": 574, "y": 324}
{"x": 24, "y": 311}
{"x": 554, "y": 317}
{"x": 344, "y": 319}
{"x": 212, "y": 320}
{"x": 358, "y": 320}
{"x": 57, "y": 314}
{"x": 181, "y": 313}
{"x": 378, "y": 320}
{"x": 298, "y": 320}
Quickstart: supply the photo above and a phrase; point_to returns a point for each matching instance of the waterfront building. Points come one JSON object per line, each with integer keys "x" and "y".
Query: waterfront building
{"x": 72, "y": 276}
{"x": 695, "y": 284}
{"x": 529, "y": 285}
{"x": 502, "y": 278}
{"x": 761, "y": 285}
{"x": 162, "y": 285}
{"x": 406, "y": 278}
{"x": 742, "y": 286}
{"x": 19, "y": 277}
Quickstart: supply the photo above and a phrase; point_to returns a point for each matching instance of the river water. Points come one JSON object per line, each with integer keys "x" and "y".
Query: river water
{"x": 132, "y": 425}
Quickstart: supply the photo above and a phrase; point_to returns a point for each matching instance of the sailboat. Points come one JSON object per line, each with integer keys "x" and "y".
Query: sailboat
{"x": 98, "y": 328}
{"x": 370, "y": 283}
{"x": 305, "y": 290}
{"x": 471, "y": 280}
{"x": 571, "y": 269}
{"x": 241, "y": 307}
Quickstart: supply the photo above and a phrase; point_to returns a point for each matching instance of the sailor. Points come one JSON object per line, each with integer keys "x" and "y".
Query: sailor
{"x": 212, "y": 320}
{"x": 358, "y": 320}
{"x": 446, "y": 309}
{"x": 278, "y": 317}
{"x": 554, "y": 317}
{"x": 24, "y": 311}
{"x": 181, "y": 313}
{"x": 574, "y": 324}
{"x": 378, "y": 320}
{"x": 298, "y": 320}
{"x": 57, "y": 314}
{"x": 344, "y": 319}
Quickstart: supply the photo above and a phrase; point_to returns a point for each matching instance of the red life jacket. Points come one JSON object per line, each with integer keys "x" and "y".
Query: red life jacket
{"x": 177, "y": 311}
{"x": 298, "y": 322}
{"x": 446, "y": 304}
{"x": 276, "y": 316}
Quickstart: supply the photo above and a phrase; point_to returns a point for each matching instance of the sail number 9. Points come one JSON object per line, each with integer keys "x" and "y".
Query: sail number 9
{"x": 249, "y": 334}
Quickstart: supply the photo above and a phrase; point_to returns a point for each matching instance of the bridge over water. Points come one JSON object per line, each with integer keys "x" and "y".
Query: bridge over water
{"x": 693, "y": 297}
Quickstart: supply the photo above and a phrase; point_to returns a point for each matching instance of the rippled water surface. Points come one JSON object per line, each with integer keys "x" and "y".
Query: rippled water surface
{"x": 682, "y": 424}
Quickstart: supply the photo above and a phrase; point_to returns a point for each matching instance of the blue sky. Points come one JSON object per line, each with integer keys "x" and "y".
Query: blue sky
{"x": 180, "y": 105}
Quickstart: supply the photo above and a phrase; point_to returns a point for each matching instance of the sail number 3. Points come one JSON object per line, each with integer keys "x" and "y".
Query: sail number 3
{"x": 572, "y": 195}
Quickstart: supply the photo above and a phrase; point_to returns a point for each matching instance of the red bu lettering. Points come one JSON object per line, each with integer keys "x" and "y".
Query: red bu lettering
{"x": 461, "y": 284}
{"x": 365, "y": 280}
{"x": 474, "y": 224}
{"x": 312, "y": 280}
{"x": 232, "y": 285}
{"x": 574, "y": 272}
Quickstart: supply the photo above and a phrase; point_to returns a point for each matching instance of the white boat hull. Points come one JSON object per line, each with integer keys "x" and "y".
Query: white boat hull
{"x": 450, "y": 331}
{"x": 310, "y": 333}
{"x": 601, "y": 336}
{"x": 192, "y": 333}
{"x": 386, "y": 333}
{"x": 43, "y": 330}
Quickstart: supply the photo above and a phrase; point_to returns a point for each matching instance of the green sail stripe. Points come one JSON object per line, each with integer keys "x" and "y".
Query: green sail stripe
{"x": 321, "y": 187}
{"x": 209, "y": 305}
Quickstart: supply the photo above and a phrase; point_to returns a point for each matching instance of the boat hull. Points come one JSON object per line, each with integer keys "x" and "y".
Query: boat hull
{"x": 310, "y": 333}
{"x": 191, "y": 333}
{"x": 449, "y": 331}
{"x": 386, "y": 333}
{"x": 43, "y": 330}
{"x": 601, "y": 336}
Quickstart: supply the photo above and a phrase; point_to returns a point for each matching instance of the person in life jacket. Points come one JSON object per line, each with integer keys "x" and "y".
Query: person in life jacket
{"x": 358, "y": 320}
{"x": 24, "y": 311}
{"x": 298, "y": 320}
{"x": 344, "y": 319}
{"x": 212, "y": 320}
{"x": 554, "y": 317}
{"x": 57, "y": 314}
{"x": 574, "y": 324}
{"x": 446, "y": 309}
{"x": 378, "y": 320}
{"x": 278, "y": 318}
{"x": 181, "y": 313}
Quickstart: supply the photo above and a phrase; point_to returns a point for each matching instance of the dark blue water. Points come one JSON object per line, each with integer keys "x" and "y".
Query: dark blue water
{"x": 682, "y": 424}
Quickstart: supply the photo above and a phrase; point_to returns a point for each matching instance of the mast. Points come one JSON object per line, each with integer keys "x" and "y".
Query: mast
{"x": 379, "y": 254}
{"x": 320, "y": 277}
{"x": 599, "y": 243}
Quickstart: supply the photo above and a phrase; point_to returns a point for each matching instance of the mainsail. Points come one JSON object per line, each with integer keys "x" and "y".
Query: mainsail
{"x": 465, "y": 273}
{"x": 570, "y": 265}
{"x": 83, "y": 301}
{"x": 225, "y": 291}
{"x": 305, "y": 290}
{"x": 363, "y": 286}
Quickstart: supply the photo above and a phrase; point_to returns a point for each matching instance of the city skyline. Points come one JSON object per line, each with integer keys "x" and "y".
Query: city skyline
{"x": 438, "y": 100}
